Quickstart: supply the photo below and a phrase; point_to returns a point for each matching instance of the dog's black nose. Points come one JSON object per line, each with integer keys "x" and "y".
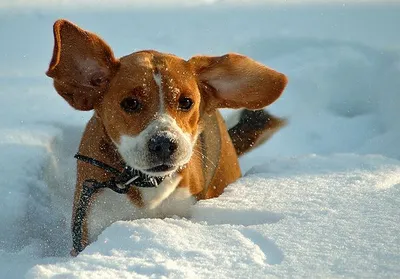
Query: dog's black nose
{"x": 162, "y": 146}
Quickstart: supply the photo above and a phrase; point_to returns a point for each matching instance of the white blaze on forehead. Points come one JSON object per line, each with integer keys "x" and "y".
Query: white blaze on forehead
{"x": 157, "y": 79}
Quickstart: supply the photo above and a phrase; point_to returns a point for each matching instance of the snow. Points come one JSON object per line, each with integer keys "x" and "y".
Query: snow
{"x": 289, "y": 224}
{"x": 320, "y": 199}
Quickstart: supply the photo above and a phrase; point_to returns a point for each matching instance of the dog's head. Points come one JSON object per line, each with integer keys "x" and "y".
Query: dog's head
{"x": 151, "y": 103}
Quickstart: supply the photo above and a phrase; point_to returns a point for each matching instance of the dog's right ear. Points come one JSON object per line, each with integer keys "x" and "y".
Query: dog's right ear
{"x": 82, "y": 65}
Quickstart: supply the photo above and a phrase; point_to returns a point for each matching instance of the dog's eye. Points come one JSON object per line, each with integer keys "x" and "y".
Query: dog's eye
{"x": 185, "y": 103}
{"x": 130, "y": 105}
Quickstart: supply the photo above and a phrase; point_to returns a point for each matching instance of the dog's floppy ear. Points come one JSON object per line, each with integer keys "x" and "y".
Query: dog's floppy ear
{"x": 82, "y": 65}
{"x": 236, "y": 81}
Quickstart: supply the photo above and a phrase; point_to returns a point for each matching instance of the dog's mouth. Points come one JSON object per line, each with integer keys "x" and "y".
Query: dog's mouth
{"x": 164, "y": 168}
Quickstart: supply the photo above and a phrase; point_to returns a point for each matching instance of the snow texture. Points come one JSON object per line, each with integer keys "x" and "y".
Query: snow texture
{"x": 320, "y": 199}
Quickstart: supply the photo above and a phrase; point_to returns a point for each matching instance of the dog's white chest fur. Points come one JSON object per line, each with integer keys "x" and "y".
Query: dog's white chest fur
{"x": 164, "y": 201}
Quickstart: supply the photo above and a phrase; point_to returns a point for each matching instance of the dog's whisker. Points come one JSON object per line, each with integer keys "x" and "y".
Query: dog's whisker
{"x": 206, "y": 157}
{"x": 203, "y": 156}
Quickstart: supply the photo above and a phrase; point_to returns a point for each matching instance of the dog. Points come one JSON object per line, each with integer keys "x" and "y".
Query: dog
{"x": 158, "y": 115}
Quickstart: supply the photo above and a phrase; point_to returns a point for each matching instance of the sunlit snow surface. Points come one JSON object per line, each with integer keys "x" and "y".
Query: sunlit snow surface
{"x": 320, "y": 199}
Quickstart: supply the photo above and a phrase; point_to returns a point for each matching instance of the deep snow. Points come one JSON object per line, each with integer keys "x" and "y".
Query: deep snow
{"x": 290, "y": 223}
{"x": 319, "y": 199}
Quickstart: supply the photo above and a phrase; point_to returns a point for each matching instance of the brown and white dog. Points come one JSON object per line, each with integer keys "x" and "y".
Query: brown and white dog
{"x": 150, "y": 111}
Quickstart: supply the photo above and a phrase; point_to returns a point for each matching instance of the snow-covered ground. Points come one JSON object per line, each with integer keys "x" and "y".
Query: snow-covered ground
{"x": 320, "y": 199}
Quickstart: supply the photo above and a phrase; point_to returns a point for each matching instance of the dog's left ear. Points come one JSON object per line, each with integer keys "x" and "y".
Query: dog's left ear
{"x": 236, "y": 81}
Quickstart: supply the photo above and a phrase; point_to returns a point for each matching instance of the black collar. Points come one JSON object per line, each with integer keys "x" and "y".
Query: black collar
{"x": 122, "y": 180}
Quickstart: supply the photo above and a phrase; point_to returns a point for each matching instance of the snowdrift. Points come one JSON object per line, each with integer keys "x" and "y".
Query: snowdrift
{"x": 311, "y": 216}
